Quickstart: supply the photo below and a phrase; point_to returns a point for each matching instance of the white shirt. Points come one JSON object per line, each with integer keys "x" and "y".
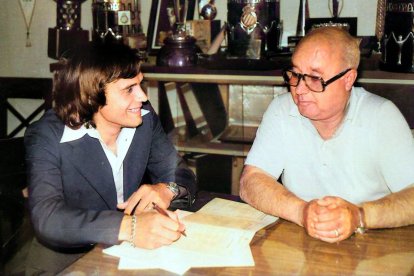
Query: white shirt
{"x": 115, "y": 160}
{"x": 370, "y": 155}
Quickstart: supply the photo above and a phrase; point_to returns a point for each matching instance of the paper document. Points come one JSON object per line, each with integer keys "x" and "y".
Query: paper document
{"x": 218, "y": 235}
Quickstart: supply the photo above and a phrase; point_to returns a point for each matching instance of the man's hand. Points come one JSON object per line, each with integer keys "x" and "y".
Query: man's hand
{"x": 152, "y": 229}
{"x": 331, "y": 219}
{"x": 147, "y": 194}
{"x": 310, "y": 216}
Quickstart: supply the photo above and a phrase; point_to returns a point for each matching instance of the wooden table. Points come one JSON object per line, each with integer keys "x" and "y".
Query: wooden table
{"x": 286, "y": 249}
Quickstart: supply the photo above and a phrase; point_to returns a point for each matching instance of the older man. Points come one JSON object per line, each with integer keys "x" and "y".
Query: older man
{"x": 346, "y": 156}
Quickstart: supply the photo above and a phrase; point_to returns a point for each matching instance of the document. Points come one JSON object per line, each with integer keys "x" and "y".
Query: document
{"x": 218, "y": 235}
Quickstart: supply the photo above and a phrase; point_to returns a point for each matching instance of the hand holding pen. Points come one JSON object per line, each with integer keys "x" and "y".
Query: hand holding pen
{"x": 181, "y": 229}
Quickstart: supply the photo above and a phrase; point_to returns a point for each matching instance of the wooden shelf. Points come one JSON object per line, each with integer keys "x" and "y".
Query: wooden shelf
{"x": 368, "y": 73}
{"x": 200, "y": 144}
{"x": 383, "y": 77}
{"x": 202, "y": 75}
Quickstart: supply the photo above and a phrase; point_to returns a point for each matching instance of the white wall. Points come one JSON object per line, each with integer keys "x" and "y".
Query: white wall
{"x": 16, "y": 60}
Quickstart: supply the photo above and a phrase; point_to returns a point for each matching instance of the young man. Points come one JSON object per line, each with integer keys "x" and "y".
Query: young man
{"x": 345, "y": 155}
{"x": 87, "y": 158}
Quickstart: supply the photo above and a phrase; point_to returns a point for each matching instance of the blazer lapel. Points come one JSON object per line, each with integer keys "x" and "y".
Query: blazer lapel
{"x": 90, "y": 160}
{"x": 136, "y": 160}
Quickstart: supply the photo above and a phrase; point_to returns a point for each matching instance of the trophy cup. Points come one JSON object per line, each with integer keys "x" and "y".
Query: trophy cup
{"x": 303, "y": 15}
{"x": 68, "y": 32}
{"x": 335, "y": 8}
{"x": 253, "y": 28}
{"x": 179, "y": 49}
{"x": 118, "y": 21}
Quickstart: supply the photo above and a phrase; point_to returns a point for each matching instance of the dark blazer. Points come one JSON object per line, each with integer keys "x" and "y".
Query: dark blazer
{"x": 72, "y": 196}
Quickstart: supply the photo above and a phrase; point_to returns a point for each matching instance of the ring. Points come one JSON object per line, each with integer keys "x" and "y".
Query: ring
{"x": 336, "y": 232}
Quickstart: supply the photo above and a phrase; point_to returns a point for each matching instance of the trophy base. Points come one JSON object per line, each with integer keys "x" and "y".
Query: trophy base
{"x": 136, "y": 41}
{"x": 224, "y": 61}
{"x": 293, "y": 41}
{"x": 59, "y": 41}
{"x": 178, "y": 51}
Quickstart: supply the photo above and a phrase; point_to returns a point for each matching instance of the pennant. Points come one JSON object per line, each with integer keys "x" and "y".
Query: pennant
{"x": 27, "y": 7}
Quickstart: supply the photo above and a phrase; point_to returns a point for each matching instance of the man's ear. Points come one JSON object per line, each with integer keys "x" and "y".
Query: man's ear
{"x": 350, "y": 78}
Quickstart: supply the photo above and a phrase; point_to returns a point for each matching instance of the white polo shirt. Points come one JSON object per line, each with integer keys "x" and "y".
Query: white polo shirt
{"x": 370, "y": 155}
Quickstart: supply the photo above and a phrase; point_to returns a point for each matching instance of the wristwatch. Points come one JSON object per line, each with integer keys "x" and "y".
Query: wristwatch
{"x": 174, "y": 188}
{"x": 361, "y": 229}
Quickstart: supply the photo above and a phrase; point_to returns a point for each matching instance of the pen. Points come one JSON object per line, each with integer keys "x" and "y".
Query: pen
{"x": 163, "y": 212}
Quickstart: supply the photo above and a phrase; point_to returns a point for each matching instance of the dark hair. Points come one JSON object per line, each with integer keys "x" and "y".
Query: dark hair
{"x": 79, "y": 85}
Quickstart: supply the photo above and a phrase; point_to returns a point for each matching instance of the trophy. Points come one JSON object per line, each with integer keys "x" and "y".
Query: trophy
{"x": 179, "y": 49}
{"x": 335, "y": 8}
{"x": 68, "y": 32}
{"x": 303, "y": 15}
{"x": 118, "y": 21}
{"x": 253, "y": 28}
{"x": 397, "y": 40}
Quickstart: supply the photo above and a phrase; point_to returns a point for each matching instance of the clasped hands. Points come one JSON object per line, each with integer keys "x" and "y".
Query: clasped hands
{"x": 152, "y": 228}
{"x": 331, "y": 219}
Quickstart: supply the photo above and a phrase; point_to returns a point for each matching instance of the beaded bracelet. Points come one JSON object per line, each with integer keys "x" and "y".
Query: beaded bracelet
{"x": 133, "y": 224}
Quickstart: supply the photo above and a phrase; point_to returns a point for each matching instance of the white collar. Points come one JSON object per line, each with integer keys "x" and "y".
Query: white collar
{"x": 70, "y": 135}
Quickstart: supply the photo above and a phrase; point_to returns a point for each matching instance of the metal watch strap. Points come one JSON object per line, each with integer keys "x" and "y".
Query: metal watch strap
{"x": 361, "y": 226}
{"x": 174, "y": 188}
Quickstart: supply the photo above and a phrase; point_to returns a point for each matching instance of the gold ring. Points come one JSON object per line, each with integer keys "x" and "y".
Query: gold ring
{"x": 336, "y": 232}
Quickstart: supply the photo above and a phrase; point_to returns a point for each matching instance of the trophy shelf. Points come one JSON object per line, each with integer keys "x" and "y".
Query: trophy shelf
{"x": 202, "y": 75}
{"x": 250, "y": 77}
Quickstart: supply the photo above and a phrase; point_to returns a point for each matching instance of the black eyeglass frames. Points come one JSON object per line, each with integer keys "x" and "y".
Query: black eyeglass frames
{"x": 314, "y": 83}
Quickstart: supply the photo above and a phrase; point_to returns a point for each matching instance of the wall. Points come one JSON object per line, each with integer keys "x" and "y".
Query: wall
{"x": 16, "y": 60}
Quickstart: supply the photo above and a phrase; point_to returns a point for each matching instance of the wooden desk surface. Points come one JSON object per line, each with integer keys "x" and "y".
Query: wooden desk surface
{"x": 285, "y": 249}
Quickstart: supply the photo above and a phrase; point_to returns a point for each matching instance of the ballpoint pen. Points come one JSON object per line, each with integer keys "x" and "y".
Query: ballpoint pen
{"x": 163, "y": 212}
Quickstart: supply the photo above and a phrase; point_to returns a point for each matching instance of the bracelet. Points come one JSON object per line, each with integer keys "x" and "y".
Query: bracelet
{"x": 132, "y": 237}
{"x": 361, "y": 227}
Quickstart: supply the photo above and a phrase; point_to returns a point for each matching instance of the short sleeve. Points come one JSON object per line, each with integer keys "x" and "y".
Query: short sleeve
{"x": 396, "y": 148}
{"x": 267, "y": 151}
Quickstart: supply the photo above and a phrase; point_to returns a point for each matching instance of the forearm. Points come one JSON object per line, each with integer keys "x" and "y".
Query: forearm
{"x": 394, "y": 210}
{"x": 70, "y": 227}
{"x": 269, "y": 196}
{"x": 65, "y": 222}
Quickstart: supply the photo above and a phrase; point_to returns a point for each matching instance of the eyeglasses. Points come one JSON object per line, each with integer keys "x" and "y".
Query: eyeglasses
{"x": 314, "y": 83}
